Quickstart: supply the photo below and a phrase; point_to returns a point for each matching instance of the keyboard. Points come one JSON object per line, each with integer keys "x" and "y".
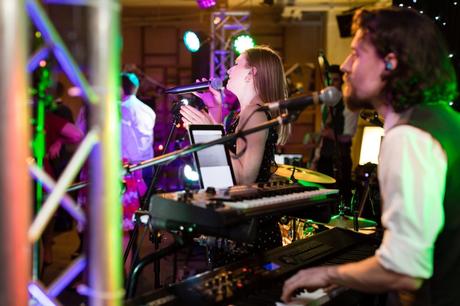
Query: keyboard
{"x": 207, "y": 209}
{"x": 259, "y": 280}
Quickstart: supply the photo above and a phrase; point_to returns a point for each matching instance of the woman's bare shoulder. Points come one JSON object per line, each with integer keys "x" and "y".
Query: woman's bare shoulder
{"x": 252, "y": 116}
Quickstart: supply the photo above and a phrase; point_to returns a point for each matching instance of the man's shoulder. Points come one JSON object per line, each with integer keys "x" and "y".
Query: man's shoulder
{"x": 403, "y": 130}
{"x": 137, "y": 105}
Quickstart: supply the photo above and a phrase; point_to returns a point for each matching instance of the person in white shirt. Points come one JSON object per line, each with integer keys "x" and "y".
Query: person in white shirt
{"x": 399, "y": 65}
{"x": 138, "y": 122}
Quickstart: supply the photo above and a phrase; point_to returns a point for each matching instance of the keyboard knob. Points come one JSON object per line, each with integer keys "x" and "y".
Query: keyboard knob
{"x": 211, "y": 190}
{"x": 215, "y": 204}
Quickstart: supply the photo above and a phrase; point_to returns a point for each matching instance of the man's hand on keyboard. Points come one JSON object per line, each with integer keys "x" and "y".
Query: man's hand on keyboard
{"x": 309, "y": 279}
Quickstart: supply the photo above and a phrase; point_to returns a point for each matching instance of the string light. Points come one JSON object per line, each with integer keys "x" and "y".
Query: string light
{"x": 439, "y": 18}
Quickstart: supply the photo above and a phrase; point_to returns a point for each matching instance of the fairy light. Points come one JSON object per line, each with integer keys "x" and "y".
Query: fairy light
{"x": 439, "y": 18}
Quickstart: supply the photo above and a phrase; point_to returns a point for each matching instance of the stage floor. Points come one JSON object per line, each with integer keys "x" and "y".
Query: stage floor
{"x": 189, "y": 262}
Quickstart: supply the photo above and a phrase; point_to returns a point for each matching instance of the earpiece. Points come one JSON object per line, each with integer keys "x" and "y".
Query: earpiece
{"x": 388, "y": 66}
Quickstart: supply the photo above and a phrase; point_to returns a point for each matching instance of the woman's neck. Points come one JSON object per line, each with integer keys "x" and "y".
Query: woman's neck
{"x": 250, "y": 98}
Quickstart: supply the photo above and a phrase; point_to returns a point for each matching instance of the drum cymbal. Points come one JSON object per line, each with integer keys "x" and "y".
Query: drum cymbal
{"x": 348, "y": 222}
{"x": 302, "y": 174}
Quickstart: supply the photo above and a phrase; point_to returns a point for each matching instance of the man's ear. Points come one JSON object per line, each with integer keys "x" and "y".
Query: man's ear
{"x": 391, "y": 62}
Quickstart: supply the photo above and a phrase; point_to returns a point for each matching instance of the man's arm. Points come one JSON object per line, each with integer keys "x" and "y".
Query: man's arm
{"x": 71, "y": 134}
{"x": 366, "y": 275}
{"x": 349, "y": 126}
{"x": 412, "y": 177}
{"x": 412, "y": 173}
{"x": 369, "y": 275}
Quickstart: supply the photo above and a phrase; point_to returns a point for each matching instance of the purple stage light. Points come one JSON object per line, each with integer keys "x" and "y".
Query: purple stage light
{"x": 205, "y": 4}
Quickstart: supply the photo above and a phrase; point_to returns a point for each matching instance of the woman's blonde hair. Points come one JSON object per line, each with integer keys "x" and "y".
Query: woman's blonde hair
{"x": 269, "y": 80}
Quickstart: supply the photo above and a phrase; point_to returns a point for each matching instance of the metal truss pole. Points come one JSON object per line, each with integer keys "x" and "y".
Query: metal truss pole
{"x": 15, "y": 189}
{"x": 105, "y": 223}
{"x": 224, "y": 26}
{"x": 105, "y": 210}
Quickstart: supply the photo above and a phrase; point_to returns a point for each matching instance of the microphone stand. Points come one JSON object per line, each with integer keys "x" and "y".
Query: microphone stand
{"x": 135, "y": 271}
{"x": 337, "y": 164}
{"x": 144, "y": 202}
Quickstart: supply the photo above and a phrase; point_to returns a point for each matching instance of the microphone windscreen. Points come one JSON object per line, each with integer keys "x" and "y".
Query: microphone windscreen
{"x": 217, "y": 84}
{"x": 330, "y": 96}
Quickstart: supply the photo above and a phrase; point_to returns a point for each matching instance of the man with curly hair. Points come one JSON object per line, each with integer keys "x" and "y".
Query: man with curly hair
{"x": 399, "y": 65}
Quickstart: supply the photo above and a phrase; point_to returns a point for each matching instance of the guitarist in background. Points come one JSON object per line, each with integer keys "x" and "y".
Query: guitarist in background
{"x": 334, "y": 157}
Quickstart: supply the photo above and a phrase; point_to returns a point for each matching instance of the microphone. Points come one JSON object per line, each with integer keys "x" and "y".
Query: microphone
{"x": 216, "y": 83}
{"x": 330, "y": 96}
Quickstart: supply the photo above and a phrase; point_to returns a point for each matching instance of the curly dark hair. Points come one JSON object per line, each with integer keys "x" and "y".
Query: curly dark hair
{"x": 424, "y": 73}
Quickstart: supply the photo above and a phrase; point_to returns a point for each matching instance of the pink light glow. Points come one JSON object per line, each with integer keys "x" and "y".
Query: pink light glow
{"x": 205, "y": 4}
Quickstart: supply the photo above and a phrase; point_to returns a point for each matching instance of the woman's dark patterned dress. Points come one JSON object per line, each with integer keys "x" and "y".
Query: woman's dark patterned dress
{"x": 268, "y": 235}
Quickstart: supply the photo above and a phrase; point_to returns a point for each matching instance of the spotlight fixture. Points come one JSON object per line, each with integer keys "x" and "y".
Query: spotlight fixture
{"x": 191, "y": 41}
{"x": 243, "y": 42}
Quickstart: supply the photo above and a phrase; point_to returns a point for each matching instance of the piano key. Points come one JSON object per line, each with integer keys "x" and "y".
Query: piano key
{"x": 317, "y": 297}
{"x": 280, "y": 199}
